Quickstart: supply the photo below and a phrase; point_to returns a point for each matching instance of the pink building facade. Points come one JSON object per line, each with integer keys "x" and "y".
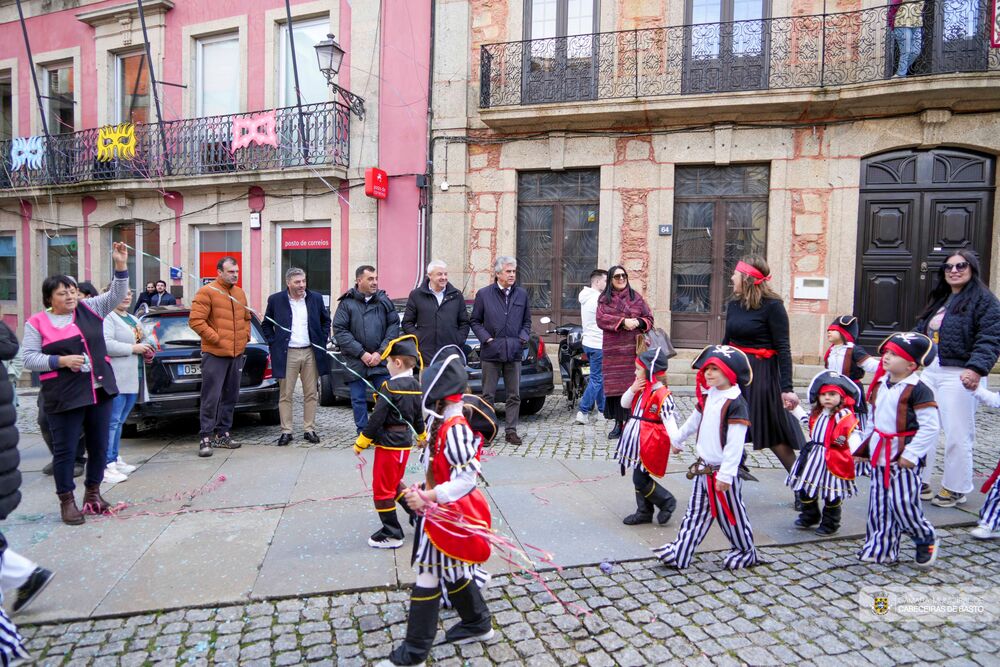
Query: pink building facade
{"x": 236, "y": 167}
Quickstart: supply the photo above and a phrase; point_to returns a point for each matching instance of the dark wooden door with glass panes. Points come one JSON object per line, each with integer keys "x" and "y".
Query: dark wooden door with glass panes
{"x": 557, "y": 219}
{"x": 916, "y": 209}
{"x": 720, "y": 215}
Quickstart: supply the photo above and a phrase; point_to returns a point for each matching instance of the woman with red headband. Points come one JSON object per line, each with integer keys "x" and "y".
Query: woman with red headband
{"x": 623, "y": 316}
{"x": 825, "y": 468}
{"x": 757, "y": 324}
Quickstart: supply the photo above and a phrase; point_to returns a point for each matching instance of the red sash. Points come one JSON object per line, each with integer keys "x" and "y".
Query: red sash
{"x": 991, "y": 480}
{"x": 717, "y": 499}
{"x": 654, "y": 443}
{"x": 884, "y": 447}
{"x": 759, "y": 352}
{"x": 452, "y": 532}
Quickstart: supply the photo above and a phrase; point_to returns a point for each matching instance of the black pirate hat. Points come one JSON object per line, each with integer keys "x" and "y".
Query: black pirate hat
{"x": 404, "y": 346}
{"x": 481, "y": 415}
{"x": 445, "y": 377}
{"x": 847, "y": 325}
{"x": 729, "y": 360}
{"x": 654, "y": 360}
{"x": 832, "y": 380}
{"x": 912, "y": 346}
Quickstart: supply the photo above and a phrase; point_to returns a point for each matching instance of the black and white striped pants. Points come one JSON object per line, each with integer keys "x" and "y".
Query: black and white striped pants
{"x": 894, "y": 511}
{"x": 990, "y": 514}
{"x": 698, "y": 520}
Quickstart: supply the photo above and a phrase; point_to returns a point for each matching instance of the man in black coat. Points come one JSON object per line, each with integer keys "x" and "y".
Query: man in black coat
{"x": 436, "y": 313}
{"x": 16, "y": 572}
{"x": 501, "y": 320}
{"x": 363, "y": 325}
{"x": 298, "y": 349}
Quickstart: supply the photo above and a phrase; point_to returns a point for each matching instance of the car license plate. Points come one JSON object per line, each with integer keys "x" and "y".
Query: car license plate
{"x": 189, "y": 369}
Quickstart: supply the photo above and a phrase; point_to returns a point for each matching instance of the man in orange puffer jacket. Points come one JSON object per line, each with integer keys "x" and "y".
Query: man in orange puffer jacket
{"x": 219, "y": 314}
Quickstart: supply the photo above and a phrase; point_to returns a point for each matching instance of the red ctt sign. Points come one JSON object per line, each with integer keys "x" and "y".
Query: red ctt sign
{"x": 376, "y": 183}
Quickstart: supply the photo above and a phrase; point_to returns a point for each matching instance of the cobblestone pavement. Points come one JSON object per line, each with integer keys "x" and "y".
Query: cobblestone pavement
{"x": 551, "y": 433}
{"x": 640, "y": 613}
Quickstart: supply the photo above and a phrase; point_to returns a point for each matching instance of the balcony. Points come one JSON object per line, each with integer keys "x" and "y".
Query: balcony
{"x": 821, "y": 65}
{"x": 214, "y": 146}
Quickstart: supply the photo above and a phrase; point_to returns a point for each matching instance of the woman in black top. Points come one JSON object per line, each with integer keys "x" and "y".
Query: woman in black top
{"x": 963, "y": 317}
{"x": 757, "y": 323}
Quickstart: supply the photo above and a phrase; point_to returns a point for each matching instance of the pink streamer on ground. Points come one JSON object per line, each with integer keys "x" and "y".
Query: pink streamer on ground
{"x": 546, "y": 501}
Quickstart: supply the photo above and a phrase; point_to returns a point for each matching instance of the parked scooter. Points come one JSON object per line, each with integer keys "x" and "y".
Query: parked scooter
{"x": 574, "y": 368}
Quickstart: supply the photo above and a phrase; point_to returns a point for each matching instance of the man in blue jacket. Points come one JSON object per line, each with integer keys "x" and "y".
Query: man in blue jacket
{"x": 501, "y": 320}
{"x": 363, "y": 325}
{"x": 298, "y": 349}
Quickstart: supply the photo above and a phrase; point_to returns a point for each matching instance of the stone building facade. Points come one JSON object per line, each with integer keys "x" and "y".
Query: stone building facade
{"x": 578, "y": 137}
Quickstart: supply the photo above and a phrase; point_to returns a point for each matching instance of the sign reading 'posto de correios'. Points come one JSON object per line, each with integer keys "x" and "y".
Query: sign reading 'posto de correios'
{"x": 376, "y": 183}
{"x": 305, "y": 238}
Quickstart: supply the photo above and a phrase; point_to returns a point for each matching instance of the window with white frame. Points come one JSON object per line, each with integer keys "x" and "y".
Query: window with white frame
{"x": 131, "y": 88}
{"x": 312, "y": 83}
{"x": 217, "y": 81}
{"x": 58, "y": 95}
{"x": 6, "y": 107}
{"x": 8, "y": 267}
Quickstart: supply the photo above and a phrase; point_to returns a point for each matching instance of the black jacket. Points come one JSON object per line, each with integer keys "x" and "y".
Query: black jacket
{"x": 279, "y": 309}
{"x": 385, "y": 425}
{"x": 360, "y": 327}
{"x": 436, "y": 326}
{"x": 10, "y": 459}
{"x": 506, "y": 321}
{"x": 970, "y": 338}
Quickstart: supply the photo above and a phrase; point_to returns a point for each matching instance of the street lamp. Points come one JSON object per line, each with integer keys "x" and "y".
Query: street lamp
{"x": 330, "y": 56}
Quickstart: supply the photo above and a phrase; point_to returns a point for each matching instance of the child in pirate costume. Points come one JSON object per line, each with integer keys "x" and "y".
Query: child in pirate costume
{"x": 446, "y": 552}
{"x": 390, "y": 428}
{"x": 903, "y": 430}
{"x": 719, "y": 424}
{"x": 848, "y": 358}
{"x": 989, "y": 515}
{"x": 645, "y": 442}
{"x": 825, "y": 468}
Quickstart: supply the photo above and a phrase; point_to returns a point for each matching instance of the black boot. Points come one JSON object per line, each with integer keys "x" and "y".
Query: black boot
{"x": 477, "y": 622}
{"x": 616, "y": 432}
{"x": 390, "y": 535}
{"x": 809, "y": 516}
{"x": 664, "y": 502}
{"x": 831, "y": 518}
{"x": 643, "y": 512}
{"x": 421, "y": 626}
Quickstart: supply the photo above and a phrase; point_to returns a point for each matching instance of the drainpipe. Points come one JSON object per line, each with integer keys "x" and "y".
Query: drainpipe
{"x": 430, "y": 148}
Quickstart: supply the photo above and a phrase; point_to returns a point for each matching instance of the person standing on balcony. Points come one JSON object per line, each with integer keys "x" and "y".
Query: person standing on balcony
{"x": 501, "y": 319}
{"x": 219, "y": 315}
{"x": 907, "y": 22}
{"x": 298, "y": 349}
{"x": 363, "y": 326}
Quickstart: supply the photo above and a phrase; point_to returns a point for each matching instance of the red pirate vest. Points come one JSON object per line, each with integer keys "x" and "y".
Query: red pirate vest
{"x": 456, "y": 531}
{"x": 654, "y": 443}
{"x": 839, "y": 460}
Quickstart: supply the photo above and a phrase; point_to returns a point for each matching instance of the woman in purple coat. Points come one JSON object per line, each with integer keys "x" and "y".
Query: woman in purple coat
{"x": 623, "y": 315}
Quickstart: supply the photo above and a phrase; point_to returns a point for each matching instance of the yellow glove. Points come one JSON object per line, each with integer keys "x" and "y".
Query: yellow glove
{"x": 362, "y": 443}
{"x": 422, "y": 439}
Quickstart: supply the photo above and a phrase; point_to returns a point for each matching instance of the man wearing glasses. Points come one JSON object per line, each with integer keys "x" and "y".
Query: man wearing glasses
{"x": 501, "y": 320}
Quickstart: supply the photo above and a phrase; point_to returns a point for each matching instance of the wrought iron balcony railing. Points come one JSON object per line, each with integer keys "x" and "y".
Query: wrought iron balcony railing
{"x": 775, "y": 53}
{"x": 190, "y": 147}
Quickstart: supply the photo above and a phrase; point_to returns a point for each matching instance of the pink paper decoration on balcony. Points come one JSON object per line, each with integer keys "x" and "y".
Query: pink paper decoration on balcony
{"x": 259, "y": 129}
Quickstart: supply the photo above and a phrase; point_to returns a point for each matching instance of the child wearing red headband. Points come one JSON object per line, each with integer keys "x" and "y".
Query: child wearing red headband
{"x": 903, "y": 430}
{"x": 825, "y": 467}
{"x": 719, "y": 425}
{"x": 646, "y": 436}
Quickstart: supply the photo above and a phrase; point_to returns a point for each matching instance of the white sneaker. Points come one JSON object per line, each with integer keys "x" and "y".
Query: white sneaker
{"x": 581, "y": 418}
{"x": 112, "y": 476}
{"x": 124, "y": 468}
{"x": 983, "y": 532}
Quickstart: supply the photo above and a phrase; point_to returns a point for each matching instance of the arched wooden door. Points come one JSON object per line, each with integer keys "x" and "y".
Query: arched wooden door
{"x": 916, "y": 208}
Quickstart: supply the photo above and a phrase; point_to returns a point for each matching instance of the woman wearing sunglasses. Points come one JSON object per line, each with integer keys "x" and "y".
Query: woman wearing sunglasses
{"x": 963, "y": 317}
{"x": 623, "y": 316}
